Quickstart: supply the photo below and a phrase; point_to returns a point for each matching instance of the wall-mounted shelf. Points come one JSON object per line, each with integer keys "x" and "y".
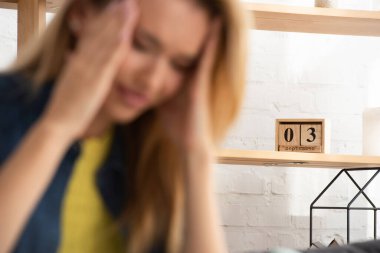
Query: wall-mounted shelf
{"x": 51, "y": 5}
{"x": 270, "y": 17}
{"x": 314, "y": 20}
{"x": 8, "y": 4}
{"x": 295, "y": 159}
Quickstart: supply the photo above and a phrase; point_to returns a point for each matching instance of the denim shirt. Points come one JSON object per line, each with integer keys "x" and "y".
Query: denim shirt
{"x": 18, "y": 112}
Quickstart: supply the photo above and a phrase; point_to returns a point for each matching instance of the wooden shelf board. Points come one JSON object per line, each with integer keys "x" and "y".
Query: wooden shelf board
{"x": 288, "y": 18}
{"x": 313, "y": 20}
{"x": 10, "y": 4}
{"x": 51, "y": 5}
{"x": 296, "y": 159}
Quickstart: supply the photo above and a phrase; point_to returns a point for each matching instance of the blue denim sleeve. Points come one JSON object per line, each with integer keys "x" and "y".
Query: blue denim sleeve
{"x": 10, "y": 111}
{"x": 16, "y": 112}
{"x": 20, "y": 108}
{"x": 13, "y": 97}
{"x": 13, "y": 86}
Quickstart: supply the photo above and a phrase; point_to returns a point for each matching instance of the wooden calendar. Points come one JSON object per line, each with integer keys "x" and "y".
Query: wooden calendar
{"x": 302, "y": 135}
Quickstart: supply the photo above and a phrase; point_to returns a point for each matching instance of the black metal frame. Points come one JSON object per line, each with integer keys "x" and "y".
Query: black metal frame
{"x": 348, "y": 208}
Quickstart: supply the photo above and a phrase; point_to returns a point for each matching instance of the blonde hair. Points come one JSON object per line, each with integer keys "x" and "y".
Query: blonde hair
{"x": 155, "y": 203}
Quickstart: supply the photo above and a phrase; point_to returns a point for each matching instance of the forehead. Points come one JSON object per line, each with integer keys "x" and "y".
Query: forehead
{"x": 180, "y": 25}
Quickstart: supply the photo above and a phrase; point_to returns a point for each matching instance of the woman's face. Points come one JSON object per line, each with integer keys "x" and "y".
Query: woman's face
{"x": 168, "y": 39}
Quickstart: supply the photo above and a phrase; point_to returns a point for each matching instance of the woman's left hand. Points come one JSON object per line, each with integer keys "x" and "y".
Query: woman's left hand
{"x": 187, "y": 115}
{"x": 187, "y": 118}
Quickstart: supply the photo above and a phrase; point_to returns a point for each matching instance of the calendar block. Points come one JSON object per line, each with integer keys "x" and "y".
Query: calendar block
{"x": 288, "y": 136}
{"x": 311, "y": 134}
{"x": 301, "y": 135}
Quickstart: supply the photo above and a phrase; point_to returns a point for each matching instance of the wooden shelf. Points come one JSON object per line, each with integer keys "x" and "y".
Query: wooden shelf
{"x": 314, "y": 20}
{"x": 273, "y": 17}
{"x": 8, "y": 4}
{"x": 51, "y": 5}
{"x": 293, "y": 159}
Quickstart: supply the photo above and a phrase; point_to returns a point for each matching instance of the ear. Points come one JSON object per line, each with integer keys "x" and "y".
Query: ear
{"x": 79, "y": 14}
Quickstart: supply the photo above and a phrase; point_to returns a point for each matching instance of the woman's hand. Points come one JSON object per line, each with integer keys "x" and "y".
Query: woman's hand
{"x": 91, "y": 68}
{"x": 186, "y": 116}
{"x": 77, "y": 97}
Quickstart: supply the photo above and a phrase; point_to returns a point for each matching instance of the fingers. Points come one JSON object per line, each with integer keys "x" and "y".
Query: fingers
{"x": 122, "y": 18}
{"x": 115, "y": 22}
{"x": 107, "y": 38}
{"x": 124, "y": 26}
{"x": 124, "y": 13}
{"x": 202, "y": 79}
{"x": 210, "y": 49}
{"x": 132, "y": 16}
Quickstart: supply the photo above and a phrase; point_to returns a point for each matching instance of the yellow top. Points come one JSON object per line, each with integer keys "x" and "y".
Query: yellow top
{"x": 86, "y": 224}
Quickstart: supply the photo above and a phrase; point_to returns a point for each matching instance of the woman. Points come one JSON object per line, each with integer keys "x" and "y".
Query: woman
{"x": 112, "y": 117}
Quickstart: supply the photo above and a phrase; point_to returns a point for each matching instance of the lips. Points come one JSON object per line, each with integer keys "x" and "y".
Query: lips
{"x": 132, "y": 98}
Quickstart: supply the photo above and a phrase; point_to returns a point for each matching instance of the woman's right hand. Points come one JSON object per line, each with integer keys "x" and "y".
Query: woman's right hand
{"x": 90, "y": 69}
{"x": 79, "y": 92}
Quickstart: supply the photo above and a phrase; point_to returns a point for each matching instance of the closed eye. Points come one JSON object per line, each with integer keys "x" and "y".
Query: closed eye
{"x": 180, "y": 67}
{"x": 139, "y": 45}
{"x": 144, "y": 41}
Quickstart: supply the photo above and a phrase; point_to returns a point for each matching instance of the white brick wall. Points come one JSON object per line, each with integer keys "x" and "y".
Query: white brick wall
{"x": 289, "y": 75}
{"x": 8, "y": 34}
{"x": 296, "y": 75}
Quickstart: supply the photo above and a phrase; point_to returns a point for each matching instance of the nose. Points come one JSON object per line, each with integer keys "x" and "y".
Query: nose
{"x": 153, "y": 77}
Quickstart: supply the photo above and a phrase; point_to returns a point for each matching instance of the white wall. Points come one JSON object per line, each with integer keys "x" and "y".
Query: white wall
{"x": 8, "y": 36}
{"x": 295, "y": 75}
{"x": 289, "y": 75}
{"x": 298, "y": 75}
